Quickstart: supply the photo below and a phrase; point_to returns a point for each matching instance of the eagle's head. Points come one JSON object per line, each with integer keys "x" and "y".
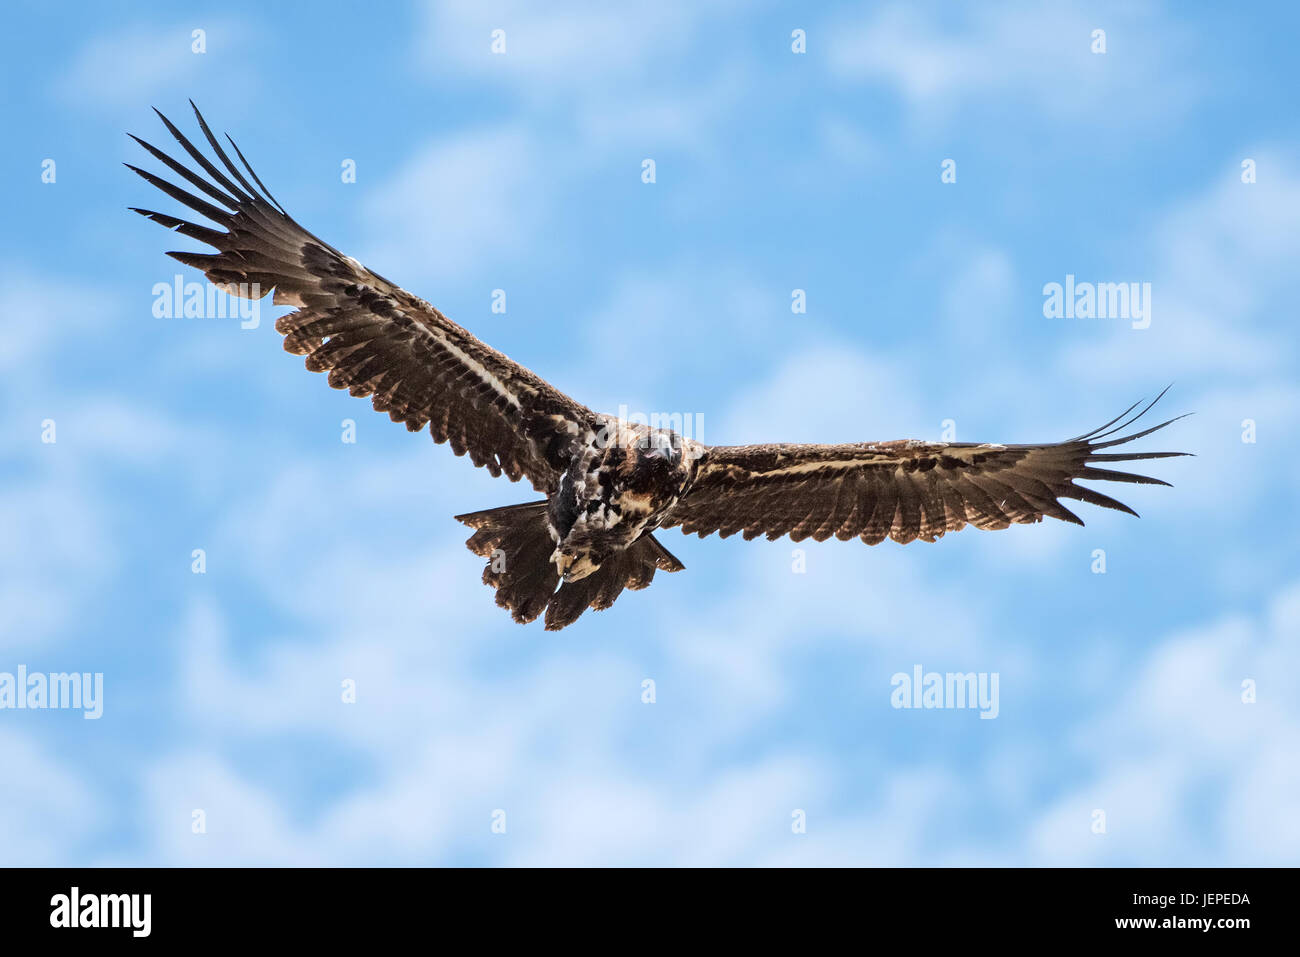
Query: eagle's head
{"x": 656, "y": 466}
{"x": 660, "y": 445}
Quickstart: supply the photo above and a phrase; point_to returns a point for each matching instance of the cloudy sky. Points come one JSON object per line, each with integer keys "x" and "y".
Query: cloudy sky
{"x": 921, "y": 173}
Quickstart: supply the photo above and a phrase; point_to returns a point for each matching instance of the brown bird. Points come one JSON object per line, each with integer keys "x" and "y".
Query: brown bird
{"x": 608, "y": 484}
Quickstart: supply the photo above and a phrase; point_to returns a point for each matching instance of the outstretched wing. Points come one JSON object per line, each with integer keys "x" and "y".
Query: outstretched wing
{"x": 372, "y": 337}
{"x": 902, "y": 490}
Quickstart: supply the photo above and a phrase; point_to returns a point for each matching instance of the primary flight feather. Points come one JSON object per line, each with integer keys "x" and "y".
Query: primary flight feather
{"x": 608, "y": 484}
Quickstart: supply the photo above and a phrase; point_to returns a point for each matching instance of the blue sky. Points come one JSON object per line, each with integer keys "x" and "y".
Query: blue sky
{"x": 1120, "y": 694}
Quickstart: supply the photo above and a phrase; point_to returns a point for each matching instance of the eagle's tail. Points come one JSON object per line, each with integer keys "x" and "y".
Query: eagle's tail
{"x": 518, "y": 546}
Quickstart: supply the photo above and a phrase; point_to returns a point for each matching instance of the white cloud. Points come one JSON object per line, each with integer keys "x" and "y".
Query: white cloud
{"x": 46, "y": 809}
{"x": 684, "y": 118}
{"x": 847, "y": 143}
{"x": 1222, "y": 286}
{"x": 47, "y": 313}
{"x": 458, "y": 207}
{"x": 121, "y": 431}
{"x": 658, "y": 309}
{"x": 141, "y": 62}
{"x": 549, "y": 747}
{"x": 596, "y": 92}
{"x": 243, "y": 823}
{"x": 58, "y": 549}
{"x": 828, "y": 394}
{"x": 598, "y": 84}
{"x": 941, "y": 59}
{"x": 1184, "y": 770}
{"x": 550, "y": 51}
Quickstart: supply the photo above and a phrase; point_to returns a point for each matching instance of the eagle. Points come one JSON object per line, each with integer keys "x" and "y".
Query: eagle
{"x": 609, "y": 484}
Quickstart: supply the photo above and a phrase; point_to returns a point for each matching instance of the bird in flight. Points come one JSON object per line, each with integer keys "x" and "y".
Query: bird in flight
{"x": 609, "y": 484}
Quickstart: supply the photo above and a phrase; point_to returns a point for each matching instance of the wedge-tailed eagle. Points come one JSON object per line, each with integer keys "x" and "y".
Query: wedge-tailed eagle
{"x": 608, "y": 484}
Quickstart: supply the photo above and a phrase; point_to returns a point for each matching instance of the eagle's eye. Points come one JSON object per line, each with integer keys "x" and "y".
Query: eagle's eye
{"x": 662, "y": 447}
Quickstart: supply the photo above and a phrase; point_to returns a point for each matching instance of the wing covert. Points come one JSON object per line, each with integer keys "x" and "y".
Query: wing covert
{"x": 904, "y": 490}
{"x": 372, "y": 337}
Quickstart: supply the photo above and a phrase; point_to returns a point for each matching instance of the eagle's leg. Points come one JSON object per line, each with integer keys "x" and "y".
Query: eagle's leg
{"x": 518, "y": 544}
{"x": 632, "y": 567}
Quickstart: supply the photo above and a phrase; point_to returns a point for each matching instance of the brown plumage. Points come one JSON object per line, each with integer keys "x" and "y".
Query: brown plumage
{"x": 904, "y": 490}
{"x": 372, "y": 337}
{"x": 608, "y": 485}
